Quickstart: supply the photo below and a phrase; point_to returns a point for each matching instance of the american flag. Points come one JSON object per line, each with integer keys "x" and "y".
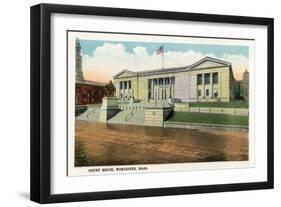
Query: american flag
{"x": 160, "y": 50}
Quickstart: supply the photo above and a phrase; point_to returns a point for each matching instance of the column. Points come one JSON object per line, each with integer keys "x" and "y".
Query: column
{"x": 148, "y": 86}
{"x": 120, "y": 89}
{"x": 123, "y": 90}
{"x": 160, "y": 90}
{"x": 219, "y": 83}
{"x": 157, "y": 94}
{"x": 211, "y": 82}
{"x": 173, "y": 86}
{"x": 120, "y": 83}
{"x": 152, "y": 89}
{"x": 203, "y": 85}
{"x": 170, "y": 88}
{"x": 126, "y": 91}
{"x": 165, "y": 89}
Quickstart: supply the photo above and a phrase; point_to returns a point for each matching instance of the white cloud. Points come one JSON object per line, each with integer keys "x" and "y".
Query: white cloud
{"x": 109, "y": 59}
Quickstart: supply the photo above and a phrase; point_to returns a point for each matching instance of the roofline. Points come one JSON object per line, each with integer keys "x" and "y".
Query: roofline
{"x": 124, "y": 70}
{"x": 211, "y": 58}
{"x": 174, "y": 69}
{"x": 90, "y": 83}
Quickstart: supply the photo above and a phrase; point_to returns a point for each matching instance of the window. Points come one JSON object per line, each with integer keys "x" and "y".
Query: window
{"x": 216, "y": 94}
{"x": 199, "y": 79}
{"x": 215, "y": 78}
{"x": 199, "y": 92}
{"x": 207, "y": 78}
{"x": 121, "y": 85}
{"x": 161, "y": 81}
{"x": 167, "y": 80}
{"x": 129, "y": 84}
{"x": 84, "y": 96}
{"x": 154, "y": 81}
{"x": 207, "y": 92}
{"x": 125, "y": 84}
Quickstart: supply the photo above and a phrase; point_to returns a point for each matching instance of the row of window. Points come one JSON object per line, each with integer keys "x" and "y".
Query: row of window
{"x": 160, "y": 81}
{"x": 90, "y": 93}
{"x": 207, "y": 93}
{"x": 207, "y": 78}
{"x": 126, "y": 84}
{"x": 166, "y": 81}
{"x": 125, "y": 96}
{"x": 161, "y": 94}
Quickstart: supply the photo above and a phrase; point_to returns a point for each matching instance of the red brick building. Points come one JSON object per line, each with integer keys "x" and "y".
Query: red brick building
{"x": 89, "y": 92}
{"x": 86, "y": 92}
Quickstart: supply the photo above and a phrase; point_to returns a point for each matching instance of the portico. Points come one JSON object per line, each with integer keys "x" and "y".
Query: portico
{"x": 125, "y": 90}
{"x": 207, "y": 84}
{"x": 160, "y": 88}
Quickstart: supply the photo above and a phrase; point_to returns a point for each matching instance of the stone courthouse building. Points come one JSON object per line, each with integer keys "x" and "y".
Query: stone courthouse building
{"x": 207, "y": 80}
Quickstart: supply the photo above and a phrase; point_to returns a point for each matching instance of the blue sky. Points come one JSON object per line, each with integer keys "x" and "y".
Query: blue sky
{"x": 103, "y": 59}
{"x": 88, "y": 46}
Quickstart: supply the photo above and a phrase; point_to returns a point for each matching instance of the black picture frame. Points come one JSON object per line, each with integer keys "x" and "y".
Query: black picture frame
{"x": 41, "y": 99}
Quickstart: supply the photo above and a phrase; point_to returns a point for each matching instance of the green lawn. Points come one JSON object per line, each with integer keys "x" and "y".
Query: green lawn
{"x": 234, "y": 104}
{"x": 207, "y": 118}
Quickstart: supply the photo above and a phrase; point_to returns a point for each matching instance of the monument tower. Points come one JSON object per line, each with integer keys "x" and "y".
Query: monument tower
{"x": 246, "y": 85}
{"x": 78, "y": 62}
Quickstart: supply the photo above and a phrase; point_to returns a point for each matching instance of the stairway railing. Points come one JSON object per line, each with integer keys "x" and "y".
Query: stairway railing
{"x": 129, "y": 116}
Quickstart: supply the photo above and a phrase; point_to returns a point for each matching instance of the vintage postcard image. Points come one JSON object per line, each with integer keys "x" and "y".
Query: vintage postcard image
{"x": 141, "y": 103}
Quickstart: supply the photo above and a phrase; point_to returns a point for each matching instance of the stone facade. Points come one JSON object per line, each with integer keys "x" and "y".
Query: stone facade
{"x": 155, "y": 116}
{"x": 186, "y": 89}
{"x": 209, "y": 79}
{"x": 109, "y": 108}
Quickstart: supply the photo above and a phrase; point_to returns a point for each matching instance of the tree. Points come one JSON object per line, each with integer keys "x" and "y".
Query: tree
{"x": 110, "y": 88}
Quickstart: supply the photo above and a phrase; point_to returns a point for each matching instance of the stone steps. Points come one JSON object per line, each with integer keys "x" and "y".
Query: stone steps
{"x": 137, "y": 118}
{"x": 128, "y": 117}
{"x": 90, "y": 114}
{"x": 120, "y": 117}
